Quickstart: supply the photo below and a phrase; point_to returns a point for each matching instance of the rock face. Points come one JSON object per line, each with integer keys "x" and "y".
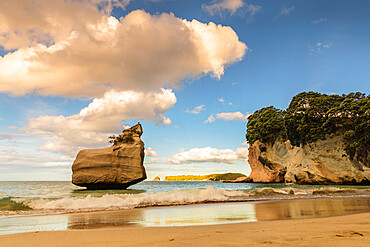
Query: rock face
{"x": 321, "y": 162}
{"x": 115, "y": 167}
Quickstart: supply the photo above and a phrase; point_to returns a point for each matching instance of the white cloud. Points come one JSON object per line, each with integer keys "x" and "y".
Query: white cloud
{"x": 245, "y": 144}
{"x": 321, "y": 20}
{"x": 210, "y": 119}
{"x": 208, "y": 154}
{"x": 285, "y": 11}
{"x": 150, "y": 152}
{"x": 197, "y": 109}
{"x": 318, "y": 47}
{"x": 102, "y": 117}
{"x": 218, "y": 6}
{"x": 223, "y": 101}
{"x": 72, "y": 48}
{"x": 228, "y": 116}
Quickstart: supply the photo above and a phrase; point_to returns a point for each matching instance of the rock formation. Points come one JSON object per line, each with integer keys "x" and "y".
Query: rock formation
{"x": 156, "y": 179}
{"x": 320, "y": 162}
{"x": 115, "y": 167}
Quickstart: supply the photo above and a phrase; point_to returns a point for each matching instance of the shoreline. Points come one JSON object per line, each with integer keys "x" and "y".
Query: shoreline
{"x": 190, "y": 215}
{"x": 249, "y": 200}
{"x": 328, "y": 231}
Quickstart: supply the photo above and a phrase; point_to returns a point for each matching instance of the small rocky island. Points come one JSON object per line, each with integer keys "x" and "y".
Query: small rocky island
{"x": 210, "y": 177}
{"x": 318, "y": 139}
{"x": 115, "y": 167}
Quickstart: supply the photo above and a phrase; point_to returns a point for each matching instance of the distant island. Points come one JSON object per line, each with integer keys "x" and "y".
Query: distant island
{"x": 211, "y": 177}
{"x": 318, "y": 139}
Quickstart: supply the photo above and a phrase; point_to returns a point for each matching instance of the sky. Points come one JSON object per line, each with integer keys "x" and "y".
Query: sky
{"x": 73, "y": 72}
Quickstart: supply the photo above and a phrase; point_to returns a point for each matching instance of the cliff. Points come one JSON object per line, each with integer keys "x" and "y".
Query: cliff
{"x": 115, "y": 167}
{"x": 211, "y": 177}
{"x": 318, "y": 139}
{"x": 319, "y": 162}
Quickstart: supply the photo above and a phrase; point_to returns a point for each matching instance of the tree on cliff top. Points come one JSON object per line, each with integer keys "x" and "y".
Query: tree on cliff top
{"x": 266, "y": 124}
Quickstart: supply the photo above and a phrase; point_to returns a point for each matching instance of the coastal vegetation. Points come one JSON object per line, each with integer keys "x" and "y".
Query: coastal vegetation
{"x": 211, "y": 177}
{"x": 314, "y": 116}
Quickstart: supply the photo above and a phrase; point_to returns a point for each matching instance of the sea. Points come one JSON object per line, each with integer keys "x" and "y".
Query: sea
{"x": 34, "y": 206}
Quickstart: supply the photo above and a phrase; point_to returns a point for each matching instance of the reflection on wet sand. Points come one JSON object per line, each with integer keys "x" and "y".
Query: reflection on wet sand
{"x": 300, "y": 209}
{"x": 220, "y": 213}
{"x": 200, "y": 214}
{"x": 108, "y": 219}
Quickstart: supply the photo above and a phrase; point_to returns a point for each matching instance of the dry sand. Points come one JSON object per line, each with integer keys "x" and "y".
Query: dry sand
{"x": 350, "y": 230}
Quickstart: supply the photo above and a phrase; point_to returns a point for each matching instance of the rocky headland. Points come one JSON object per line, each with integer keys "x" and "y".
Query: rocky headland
{"x": 115, "y": 167}
{"x": 319, "y": 139}
{"x": 320, "y": 162}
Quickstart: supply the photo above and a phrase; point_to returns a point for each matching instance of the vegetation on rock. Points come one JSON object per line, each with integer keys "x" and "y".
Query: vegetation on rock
{"x": 123, "y": 138}
{"x": 314, "y": 116}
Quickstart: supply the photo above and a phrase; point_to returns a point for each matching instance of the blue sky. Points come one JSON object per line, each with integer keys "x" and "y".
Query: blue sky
{"x": 291, "y": 46}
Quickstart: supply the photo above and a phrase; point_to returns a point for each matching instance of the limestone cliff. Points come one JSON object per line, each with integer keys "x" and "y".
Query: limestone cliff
{"x": 320, "y": 162}
{"x": 115, "y": 167}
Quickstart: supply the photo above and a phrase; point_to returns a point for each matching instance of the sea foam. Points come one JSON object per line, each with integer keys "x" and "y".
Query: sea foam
{"x": 176, "y": 197}
{"x": 125, "y": 201}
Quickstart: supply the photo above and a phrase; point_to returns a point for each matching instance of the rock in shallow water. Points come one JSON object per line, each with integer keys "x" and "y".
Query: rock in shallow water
{"x": 115, "y": 167}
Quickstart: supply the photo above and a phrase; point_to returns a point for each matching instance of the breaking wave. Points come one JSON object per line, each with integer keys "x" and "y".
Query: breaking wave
{"x": 178, "y": 197}
{"x": 9, "y": 204}
{"x": 126, "y": 201}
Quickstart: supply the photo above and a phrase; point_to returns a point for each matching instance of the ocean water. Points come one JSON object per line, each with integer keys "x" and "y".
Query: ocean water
{"x": 45, "y": 198}
{"x": 45, "y": 206}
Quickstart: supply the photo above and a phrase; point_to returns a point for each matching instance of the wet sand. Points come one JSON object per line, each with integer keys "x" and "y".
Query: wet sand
{"x": 309, "y": 222}
{"x": 349, "y": 230}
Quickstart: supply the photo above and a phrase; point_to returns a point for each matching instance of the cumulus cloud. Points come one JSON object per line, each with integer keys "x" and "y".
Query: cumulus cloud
{"x": 208, "y": 155}
{"x": 245, "y": 144}
{"x": 228, "y": 116}
{"x": 318, "y": 21}
{"x": 197, "y": 109}
{"x": 218, "y": 6}
{"x": 102, "y": 117}
{"x": 75, "y": 48}
{"x": 150, "y": 152}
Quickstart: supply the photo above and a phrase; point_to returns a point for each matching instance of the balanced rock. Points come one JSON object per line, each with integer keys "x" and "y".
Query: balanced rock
{"x": 115, "y": 167}
{"x": 320, "y": 162}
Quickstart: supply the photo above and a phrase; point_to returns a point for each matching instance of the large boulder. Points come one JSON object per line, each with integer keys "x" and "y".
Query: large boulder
{"x": 115, "y": 167}
{"x": 320, "y": 162}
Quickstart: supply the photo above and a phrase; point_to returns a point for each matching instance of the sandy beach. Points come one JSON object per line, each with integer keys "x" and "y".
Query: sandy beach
{"x": 350, "y": 230}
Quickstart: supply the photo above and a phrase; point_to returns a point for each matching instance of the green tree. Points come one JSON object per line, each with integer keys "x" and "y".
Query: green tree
{"x": 266, "y": 125}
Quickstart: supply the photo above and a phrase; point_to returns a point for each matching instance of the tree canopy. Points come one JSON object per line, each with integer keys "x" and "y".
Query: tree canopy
{"x": 314, "y": 116}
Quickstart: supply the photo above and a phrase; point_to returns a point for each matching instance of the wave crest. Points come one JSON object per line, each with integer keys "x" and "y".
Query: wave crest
{"x": 125, "y": 201}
